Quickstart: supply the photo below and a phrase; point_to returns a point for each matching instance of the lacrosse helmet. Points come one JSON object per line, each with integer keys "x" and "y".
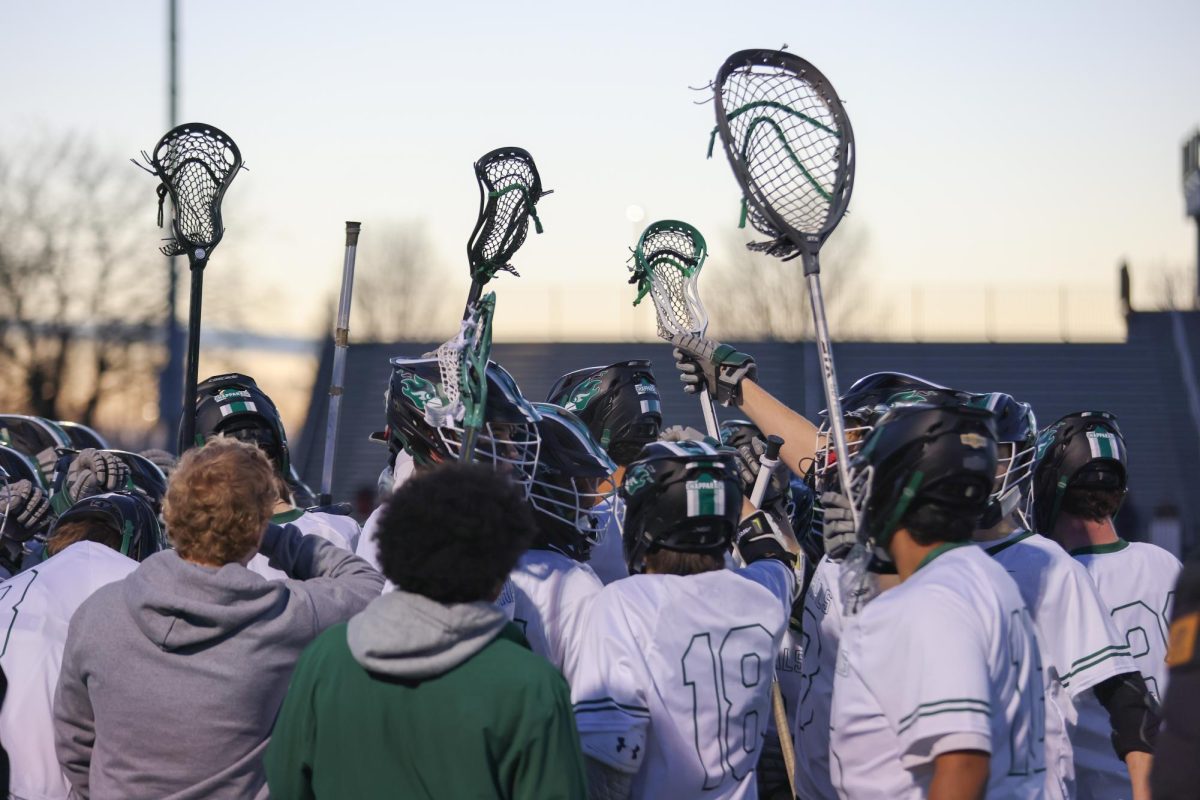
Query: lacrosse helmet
{"x": 1016, "y": 437}
{"x": 233, "y": 405}
{"x": 1083, "y": 450}
{"x": 682, "y": 496}
{"x": 929, "y": 464}
{"x": 572, "y": 485}
{"x": 19, "y": 466}
{"x": 619, "y": 404}
{"x": 126, "y": 512}
{"x": 82, "y": 436}
{"x": 38, "y": 438}
{"x": 421, "y": 422}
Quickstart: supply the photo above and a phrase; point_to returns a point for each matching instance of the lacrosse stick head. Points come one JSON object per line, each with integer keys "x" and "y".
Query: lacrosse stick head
{"x": 667, "y": 263}
{"x": 791, "y": 147}
{"x": 509, "y": 190}
{"x": 195, "y": 163}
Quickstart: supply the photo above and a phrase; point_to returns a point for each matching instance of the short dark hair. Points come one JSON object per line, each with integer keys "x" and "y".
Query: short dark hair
{"x": 1096, "y": 505}
{"x": 932, "y": 523}
{"x": 453, "y": 532}
{"x": 675, "y": 562}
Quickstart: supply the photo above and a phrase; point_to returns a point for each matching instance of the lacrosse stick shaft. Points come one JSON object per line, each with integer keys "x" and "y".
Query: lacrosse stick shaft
{"x": 711, "y": 424}
{"x": 470, "y": 437}
{"x": 767, "y": 463}
{"x": 341, "y": 343}
{"x": 472, "y": 297}
{"x": 784, "y": 728}
{"x": 192, "y": 365}
{"x": 833, "y": 400}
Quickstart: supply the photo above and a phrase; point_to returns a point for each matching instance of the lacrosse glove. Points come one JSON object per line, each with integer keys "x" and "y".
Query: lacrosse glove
{"x": 838, "y": 529}
{"x": 757, "y": 539}
{"x": 686, "y": 433}
{"x": 95, "y": 471}
{"x": 26, "y": 511}
{"x": 161, "y": 459}
{"x": 710, "y": 365}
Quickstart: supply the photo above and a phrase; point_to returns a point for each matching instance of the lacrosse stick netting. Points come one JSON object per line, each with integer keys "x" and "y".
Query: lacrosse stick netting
{"x": 509, "y": 189}
{"x": 195, "y": 163}
{"x": 463, "y": 362}
{"x": 667, "y": 263}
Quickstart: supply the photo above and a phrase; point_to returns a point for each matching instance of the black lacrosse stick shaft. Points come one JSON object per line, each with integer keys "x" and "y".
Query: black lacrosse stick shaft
{"x": 192, "y": 365}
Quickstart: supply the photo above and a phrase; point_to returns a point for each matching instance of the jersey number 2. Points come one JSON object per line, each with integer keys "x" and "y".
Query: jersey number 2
{"x": 725, "y": 689}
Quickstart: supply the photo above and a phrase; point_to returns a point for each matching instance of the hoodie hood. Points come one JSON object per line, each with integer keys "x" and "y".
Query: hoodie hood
{"x": 177, "y": 604}
{"x": 406, "y": 635}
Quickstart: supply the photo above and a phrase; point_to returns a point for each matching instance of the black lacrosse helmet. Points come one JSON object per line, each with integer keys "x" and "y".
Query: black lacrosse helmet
{"x": 1016, "y": 433}
{"x": 619, "y": 404}
{"x": 19, "y": 466}
{"x": 36, "y": 437}
{"x": 682, "y": 496}
{"x": 126, "y": 512}
{"x": 1083, "y": 450}
{"x": 82, "y": 437}
{"x": 233, "y": 405}
{"x": 572, "y": 485}
{"x": 420, "y": 423}
{"x": 932, "y": 465}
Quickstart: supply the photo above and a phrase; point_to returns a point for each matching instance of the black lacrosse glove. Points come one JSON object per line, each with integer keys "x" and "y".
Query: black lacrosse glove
{"x": 95, "y": 471}
{"x": 757, "y": 539}
{"x": 712, "y": 366}
{"x": 838, "y": 529}
{"x": 26, "y": 511}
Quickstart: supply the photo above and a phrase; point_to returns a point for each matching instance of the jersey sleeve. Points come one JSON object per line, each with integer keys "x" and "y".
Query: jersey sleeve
{"x": 928, "y": 669}
{"x": 1087, "y": 649}
{"x": 580, "y": 592}
{"x": 775, "y": 576}
{"x": 609, "y": 692}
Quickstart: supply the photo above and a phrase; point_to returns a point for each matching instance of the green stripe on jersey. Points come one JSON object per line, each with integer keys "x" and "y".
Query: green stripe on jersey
{"x": 964, "y": 705}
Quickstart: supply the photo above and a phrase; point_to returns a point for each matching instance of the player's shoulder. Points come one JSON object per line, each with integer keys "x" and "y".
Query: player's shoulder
{"x": 1154, "y": 554}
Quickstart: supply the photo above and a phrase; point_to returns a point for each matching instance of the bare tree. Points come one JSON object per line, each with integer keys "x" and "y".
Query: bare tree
{"x": 82, "y": 296}
{"x": 398, "y": 284}
{"x": 752, "y": 296}
{"x": 1172, "y": 288}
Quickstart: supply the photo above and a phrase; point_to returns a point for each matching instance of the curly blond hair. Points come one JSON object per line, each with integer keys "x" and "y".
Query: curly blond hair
{"x": 219, "y": 500}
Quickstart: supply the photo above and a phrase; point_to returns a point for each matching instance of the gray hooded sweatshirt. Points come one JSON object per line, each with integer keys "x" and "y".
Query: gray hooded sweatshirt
{"x": 172, "y": 678}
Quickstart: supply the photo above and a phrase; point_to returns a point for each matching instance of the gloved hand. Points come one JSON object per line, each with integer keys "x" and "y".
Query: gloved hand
{"x": 685, "y": 433}
{"x": 95, "y": 471}
{"x": 749, "y": 465}
{"x": 26, "y": 510}
{"x": 758, "y": 538}
{"x": 838, "y": 528}
{"x": 712, "y": 366}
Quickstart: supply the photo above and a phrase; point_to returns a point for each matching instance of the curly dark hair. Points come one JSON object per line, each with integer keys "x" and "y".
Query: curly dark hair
{"x": 1096, "y": 505}
{"x": 453, "y": 533}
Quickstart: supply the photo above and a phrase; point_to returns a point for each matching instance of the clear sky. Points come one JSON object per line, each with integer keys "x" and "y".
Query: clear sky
{"x": 1022, "y": 143}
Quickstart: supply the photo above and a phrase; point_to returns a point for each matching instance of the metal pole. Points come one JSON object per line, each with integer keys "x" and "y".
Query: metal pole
{"x": 341, "y": 341}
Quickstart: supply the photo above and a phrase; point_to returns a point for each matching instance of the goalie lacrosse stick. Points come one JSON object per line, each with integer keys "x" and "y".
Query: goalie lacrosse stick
{"x": 667, "y": 264}
{"x": 195, "y": 163}
{"x": 341, "y": 342}
{"x": 463, "y": 363}
{"x": 791, "y": 147}
{"x": 509, "y": 189}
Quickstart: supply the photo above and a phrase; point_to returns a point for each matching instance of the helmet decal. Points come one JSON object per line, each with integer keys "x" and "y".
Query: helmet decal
{"x": 583, "y": 395}
{"x": 421, "y": 392}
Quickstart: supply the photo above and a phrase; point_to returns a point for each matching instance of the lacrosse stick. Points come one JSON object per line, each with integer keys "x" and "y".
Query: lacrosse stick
{"x": 341, "y": 342}
{"x": 509, "y": 189}
{"x": 791, "y": 147}
{"x": 667, "y": 264}
{"x": 463, "y": 363}
{"x": 195, "y": 163}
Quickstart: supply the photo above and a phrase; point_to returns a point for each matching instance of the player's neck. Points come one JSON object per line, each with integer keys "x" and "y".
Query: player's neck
{"x": 1074, "y": 533}
{"x": 1004, "y": 528}
{"x": 907, "y": 554}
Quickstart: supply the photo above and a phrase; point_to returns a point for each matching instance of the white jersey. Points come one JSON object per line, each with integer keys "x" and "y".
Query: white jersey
{"x": 608, "y": 554}
{"x": 1136, "y": 581}
{"x": 551, "y": 598}
{"x": 35, "y": 607}
{"x": 945, "y": 661}
{"x": 674, "y": 678}
{"x": 820, "y": 636}
{"x": 1076, "y": 639}
{"x": 328, "y": 526}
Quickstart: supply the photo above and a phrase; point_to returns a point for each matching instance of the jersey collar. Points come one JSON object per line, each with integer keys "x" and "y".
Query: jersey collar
{"x": 937, "y": 551}
{"x": 284, "y": 517}
{"x": 1004, "y": 544}
{"x": 1101, "y": 549}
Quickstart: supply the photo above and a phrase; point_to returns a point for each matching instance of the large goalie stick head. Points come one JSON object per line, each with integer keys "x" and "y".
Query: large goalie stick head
{"x": 791, "y": 147}
{"x": 509, "y": 189}
{"x": 667, "y": 262}
{"x": 195, "y": 164}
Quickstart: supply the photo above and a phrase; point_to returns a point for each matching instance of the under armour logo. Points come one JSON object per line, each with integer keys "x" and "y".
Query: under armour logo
{"x": 632, "y": 753}
{"x": 620, "y": 743}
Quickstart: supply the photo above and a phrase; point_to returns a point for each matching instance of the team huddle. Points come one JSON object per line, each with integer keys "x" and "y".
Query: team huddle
{"x": 592, "y": 606}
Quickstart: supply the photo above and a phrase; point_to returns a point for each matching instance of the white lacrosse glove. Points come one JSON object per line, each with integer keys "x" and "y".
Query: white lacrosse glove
{"x": 95, "y": 471}
{"x": 705, "y": 364}
{"x": 26, "y": 510}
{"x": 684, "y": 433}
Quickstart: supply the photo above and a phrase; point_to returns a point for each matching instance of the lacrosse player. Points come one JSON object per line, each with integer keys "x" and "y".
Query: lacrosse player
{"x": 1083, "y": 657}
{"x": 97, "y": 541}
{"x": 620, "y": 406}
{"x": 672, "y": 689}
{"x": 552, "y": 587}
{"x": 938, "y": 689}
{"x": 233, "y": 405}
{"x": 1079, "y": 482}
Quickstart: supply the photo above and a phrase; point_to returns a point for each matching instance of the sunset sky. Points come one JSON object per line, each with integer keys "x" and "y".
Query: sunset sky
{"x": 1028, "y": 145}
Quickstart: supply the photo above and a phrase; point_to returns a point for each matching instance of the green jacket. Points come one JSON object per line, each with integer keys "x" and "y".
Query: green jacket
{"x": 498, "y": 725}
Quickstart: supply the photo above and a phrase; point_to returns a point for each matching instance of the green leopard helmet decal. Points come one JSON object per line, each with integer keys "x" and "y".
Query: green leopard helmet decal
{"x": 421, "y": 392}
{"x": 583, "y": 395}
